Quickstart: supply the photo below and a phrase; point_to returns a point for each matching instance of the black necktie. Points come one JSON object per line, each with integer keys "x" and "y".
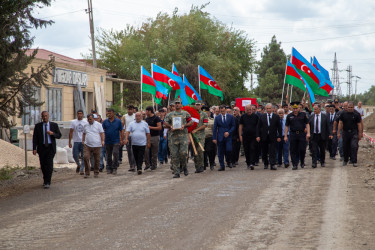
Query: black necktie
{"x": 317, "y": 124}
{"x": 45, "y": 135}
{"x": 224, "y": 119}
{"x": 269, "y": 120}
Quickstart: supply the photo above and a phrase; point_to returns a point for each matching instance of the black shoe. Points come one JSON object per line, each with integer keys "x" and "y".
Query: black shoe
{"x": 344, "y": 163}
{"x": 332, "y": 158}
{"x": 251, "y": 167}
{"x": 166, "y": 160}
{"x": 313, "y": 165}
{"x": 236, "y": 163}
{"x": 230, "y": 165}
{"x": 273, "y": 167}
{"x": 186, "y": 172}
{"x": 286, "y": 165}
{"x": 91, "y": 169}
{"x": 256, "y": 163}
{"x": 139, "y": 172}
{"x": 212, "y": 167}
{"x": 221, "y": 169}
{"x": 199, "y": 170}
{"x": 322, "y": 165}
{"x": 77, "y": 170}
{"x": 294, "y": 168}
{"x": 153, "y": 167}
{"x": 147, "y": 167}
{"x": 302, "y": 165}
{"x": 100, "y": 170}
{"x": 265, "y": 166}
{"x": 161, "y": 163}
{"x": 176, "y": 176}
{"x": 131, "y": 170}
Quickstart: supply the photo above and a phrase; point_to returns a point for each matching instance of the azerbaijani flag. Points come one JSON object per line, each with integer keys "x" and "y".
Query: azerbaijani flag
{"x": 328, "y": 86}
{"x": 207, "y": 82}
{"x": 174, "y": 70}
{"x": 312, "y": 76}
{"x": 191, "y": 93}
{"x": 161, "y": 93}
{"x": 148, "y": 83}
{"x": 294, "y": 78}
{"x": 165, "y": 78}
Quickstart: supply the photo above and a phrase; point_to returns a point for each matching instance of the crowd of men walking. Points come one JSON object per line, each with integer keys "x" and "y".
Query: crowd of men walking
{"x": 271, "y": 133}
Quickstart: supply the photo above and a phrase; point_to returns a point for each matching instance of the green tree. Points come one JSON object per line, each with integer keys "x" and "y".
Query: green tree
{"x": 16, "y": 87}
{"x": 188, "y": 40}
{"x": 270, "y": 73}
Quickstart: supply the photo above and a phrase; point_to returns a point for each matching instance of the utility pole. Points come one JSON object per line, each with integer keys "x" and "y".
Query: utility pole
{"x": 349, "y": 82}
{"x": 355, "y": 91}
{"x": 251, "y": 82}
{"x": 91, "y": 20}
{"x": 336, "y": 78}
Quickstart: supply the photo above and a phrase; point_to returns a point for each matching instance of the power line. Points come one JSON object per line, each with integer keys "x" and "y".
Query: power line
{"x": 62, "y": 14}
{"x": 328, "y": 38}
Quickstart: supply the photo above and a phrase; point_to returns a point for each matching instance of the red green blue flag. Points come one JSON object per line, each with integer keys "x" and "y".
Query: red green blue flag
{"x": 165, "y": 78}
{"x": 207, "y": 82}
{"x": 328, "y": 86}
{"x": 191, "y": 93}
{"x": 294, "y": 78}
{"x": 148, "y": 83}
{"x": 312, "y": 76}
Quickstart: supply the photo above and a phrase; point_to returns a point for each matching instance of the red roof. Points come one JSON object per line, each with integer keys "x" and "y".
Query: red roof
{"x": 45, "y": 55}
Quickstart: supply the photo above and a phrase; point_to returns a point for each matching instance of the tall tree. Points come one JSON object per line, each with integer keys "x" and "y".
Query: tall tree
{"x": 17, "y": 87}
{"x": 271, "y": 71}
{"x": 188, "y": 40}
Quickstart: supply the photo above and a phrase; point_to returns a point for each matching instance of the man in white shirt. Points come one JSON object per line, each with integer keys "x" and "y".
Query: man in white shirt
{"x": 360, "y": 110}
{"x": 140, "y": 138}
{"x": 93, "y": 140}
{"x": 126, "y": 120}
{"x": 76, "y": 130}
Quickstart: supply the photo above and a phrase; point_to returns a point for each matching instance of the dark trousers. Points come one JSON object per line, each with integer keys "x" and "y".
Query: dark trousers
{"x": 258, "y": 151}
{"x": 138, "y": 152}
{"x": 249, "y": 146}
{"x": 120, "y": 152}
{"x": 318, "y": 145}
{"x": 112, "y": 151}
{"x": 236, "y": 145}
{"x": 297, "y": 147}
{"x": 282, "y": 151}
{"x": 46, "y": 155}
{"x": 224, "y": 148}
{"x": 333, "y": 146}
{"x": 209, "y": 152}
{"x": 350, "y": 145}
{"x": 268, "y": 151}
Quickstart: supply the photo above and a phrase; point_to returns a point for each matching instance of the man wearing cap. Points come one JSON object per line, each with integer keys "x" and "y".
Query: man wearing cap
{"x": 178, "y": 121}
{"x": 298, "y": 125}
{"x": 199, "y": 134}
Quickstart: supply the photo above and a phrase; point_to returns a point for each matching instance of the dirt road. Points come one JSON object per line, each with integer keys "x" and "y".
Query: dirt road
{"x": 323, "y": 208}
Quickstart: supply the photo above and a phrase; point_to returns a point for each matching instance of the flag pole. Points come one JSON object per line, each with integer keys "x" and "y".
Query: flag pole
{"x": 141, "y": 87}
{"x": 199, "y": 81}
{"x": 291, "y": 94}
{"x": 282, "y": 95}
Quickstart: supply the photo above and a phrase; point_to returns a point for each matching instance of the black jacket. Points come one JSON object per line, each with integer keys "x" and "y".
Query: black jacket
{"x": 325, "y": 130}
{"x": 38, "y": 138}
{"x": 274, "y": 131}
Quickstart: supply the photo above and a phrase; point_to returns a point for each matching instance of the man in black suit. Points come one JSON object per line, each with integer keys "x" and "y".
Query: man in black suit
{"x": 332, "y": 143}
{"x": 268, "y": 132}
{"x": 44, "y": 143}
{"x": 320, "y": 133}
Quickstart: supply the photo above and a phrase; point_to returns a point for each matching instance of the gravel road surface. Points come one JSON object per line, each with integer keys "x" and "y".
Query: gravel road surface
{"x": 236, "y": 209}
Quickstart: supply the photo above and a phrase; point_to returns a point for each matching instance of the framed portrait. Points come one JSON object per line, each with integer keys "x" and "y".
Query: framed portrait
{"x": 177, "y": 122}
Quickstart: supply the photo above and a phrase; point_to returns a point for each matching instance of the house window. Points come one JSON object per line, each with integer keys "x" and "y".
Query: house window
{"x": 31, "y": 114}
{"x": 53, "y": 103}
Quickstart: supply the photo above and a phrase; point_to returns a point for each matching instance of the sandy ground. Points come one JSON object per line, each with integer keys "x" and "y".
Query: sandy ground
{"x": 323, "y": 208}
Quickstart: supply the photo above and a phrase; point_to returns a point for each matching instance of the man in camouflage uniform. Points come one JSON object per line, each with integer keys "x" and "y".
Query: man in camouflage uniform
{"x": 199, "y": 134}
{"x": 178, "y": 138}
